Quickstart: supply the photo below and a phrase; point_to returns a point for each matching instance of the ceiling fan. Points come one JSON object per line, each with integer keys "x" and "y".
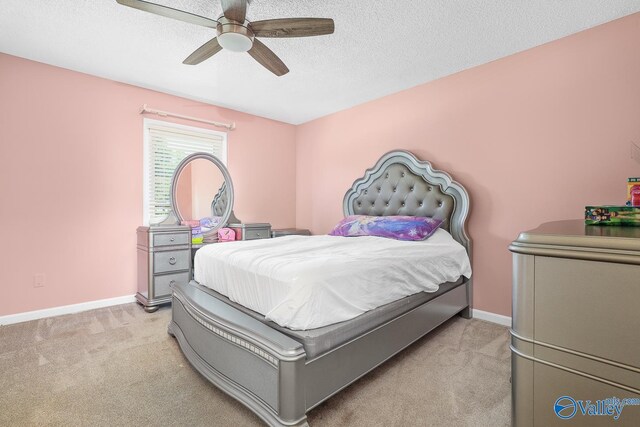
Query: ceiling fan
{"x": 237, "y": 34}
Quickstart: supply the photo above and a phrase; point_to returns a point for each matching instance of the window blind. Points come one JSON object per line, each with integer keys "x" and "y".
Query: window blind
{"x": 167, "y": 147}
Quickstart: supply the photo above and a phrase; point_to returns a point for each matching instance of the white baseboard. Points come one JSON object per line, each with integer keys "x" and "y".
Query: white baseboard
{"x": 492, "y": 317}
{"x": 65, "y": 309}
{"x": 90, "y": 305}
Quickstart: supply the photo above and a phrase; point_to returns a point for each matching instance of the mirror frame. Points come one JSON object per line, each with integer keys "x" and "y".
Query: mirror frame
{"x": 225, "y": 174}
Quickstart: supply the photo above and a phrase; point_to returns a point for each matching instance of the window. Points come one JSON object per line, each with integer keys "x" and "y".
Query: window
{"x": 165, "y": 145}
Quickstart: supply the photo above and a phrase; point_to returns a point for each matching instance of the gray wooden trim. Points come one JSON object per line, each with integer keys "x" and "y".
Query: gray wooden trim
{"x": 532, "y": 358}
{"x": 619, "y": 257}
{"x": 573, "y": 239}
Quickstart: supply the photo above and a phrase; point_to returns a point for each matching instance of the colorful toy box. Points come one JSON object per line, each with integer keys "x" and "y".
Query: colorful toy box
{"x": 612, "y": 215}
{"x": 633, "y": 192}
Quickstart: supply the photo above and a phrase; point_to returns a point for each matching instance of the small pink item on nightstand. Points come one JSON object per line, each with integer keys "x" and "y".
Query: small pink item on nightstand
{"x": 226, "y": 235}
{"x": 635, "y": 196}
{"x": 633, "y": 192}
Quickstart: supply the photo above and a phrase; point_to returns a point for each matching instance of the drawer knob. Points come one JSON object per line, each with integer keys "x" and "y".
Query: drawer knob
{"x": 258, "y": 234}
{"x": 172, "y": 239}
{"x": 172, "y": 260}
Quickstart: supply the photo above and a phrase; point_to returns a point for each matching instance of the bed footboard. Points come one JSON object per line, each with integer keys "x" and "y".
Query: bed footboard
{"x": 253, "y": 363}
{"x": 268, "y": 371}
{"x": 334, "y": 370}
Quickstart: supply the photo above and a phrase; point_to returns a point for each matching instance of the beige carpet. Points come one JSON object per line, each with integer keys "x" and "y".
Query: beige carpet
{"x": 118, "y": 367}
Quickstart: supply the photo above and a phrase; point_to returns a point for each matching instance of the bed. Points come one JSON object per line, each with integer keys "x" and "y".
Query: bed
{"x": 281, "y": 373}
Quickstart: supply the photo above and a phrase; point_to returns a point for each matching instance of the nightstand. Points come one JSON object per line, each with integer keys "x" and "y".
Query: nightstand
{"x": 164, "y": 259}
{"x": 251, "y": 231}
{"x": 280, "y": 232}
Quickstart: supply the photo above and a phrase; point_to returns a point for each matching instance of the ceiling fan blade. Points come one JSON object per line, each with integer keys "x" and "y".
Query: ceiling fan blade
{"x": 204, "y": 52}
{"x": 293, "y": 27}
{"x": 170, "y": 12}
{"x": 235, "y": 9}
{"x": 267, "y": 58}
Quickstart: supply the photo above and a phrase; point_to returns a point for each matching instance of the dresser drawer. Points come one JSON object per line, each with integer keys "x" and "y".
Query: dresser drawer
{"x": 171, "y": 261}
{"x": 162, "y": 284}
{"x": 257, "y": 233}
{"x": 168, "y": 239}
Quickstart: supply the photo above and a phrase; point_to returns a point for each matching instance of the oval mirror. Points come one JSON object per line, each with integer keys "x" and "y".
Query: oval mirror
{"x": 201, "y": 190}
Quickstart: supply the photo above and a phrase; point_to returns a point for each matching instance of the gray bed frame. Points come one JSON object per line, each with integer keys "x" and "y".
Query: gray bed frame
{"x": 267, "y": 370}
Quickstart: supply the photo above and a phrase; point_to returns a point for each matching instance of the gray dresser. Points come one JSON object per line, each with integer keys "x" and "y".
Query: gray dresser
{"x": 576, "y": 329}
{"x": 164, "y": 259}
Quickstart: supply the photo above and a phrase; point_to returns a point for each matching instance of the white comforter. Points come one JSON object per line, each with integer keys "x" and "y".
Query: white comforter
{"x": 305, "y": 282}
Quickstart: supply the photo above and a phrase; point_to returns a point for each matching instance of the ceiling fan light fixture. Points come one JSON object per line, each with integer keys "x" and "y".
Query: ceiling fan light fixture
{"x": 234, "y": 36}
{"x": 235, "y": 42}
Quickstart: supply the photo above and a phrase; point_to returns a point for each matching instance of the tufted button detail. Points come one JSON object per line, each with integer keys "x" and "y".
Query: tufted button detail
{"x": 402, "y": 174}
{"x": 387, "y": 203}
{"x": 440, "y": 203}
{"x": 420, "y": 204}
{"x": 379, "y": 189}
{"x": 430, "y": 188}
{"x": 411, "y": 189}
{"x": 365, "y": 191}
{"x": 395, "y": 189}
{"x": 387, "y": 175}
{"x": 359, "y": 203}
{"x": 402, "y": 203}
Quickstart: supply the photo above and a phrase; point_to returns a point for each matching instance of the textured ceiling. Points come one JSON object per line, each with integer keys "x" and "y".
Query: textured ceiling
{"x": 379, "y": 47}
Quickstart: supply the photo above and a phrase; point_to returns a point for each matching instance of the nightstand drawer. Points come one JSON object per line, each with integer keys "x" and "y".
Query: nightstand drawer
{"x": 171, "y": 261}
{"x": 252, "y": 231}
{"x": 162, "y": 284}
{"x": 257, "y": 233}
{"x": 168, "y": 239}
{"x": 290, "y": 232}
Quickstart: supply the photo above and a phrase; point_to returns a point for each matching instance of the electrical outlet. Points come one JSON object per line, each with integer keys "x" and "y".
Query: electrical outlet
{"x": 635, "y": 151}
{"x": 38, "y": 280}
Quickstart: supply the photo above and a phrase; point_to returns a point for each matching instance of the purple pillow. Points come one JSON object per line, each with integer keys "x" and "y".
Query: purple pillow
{"x": 392, "y": 227}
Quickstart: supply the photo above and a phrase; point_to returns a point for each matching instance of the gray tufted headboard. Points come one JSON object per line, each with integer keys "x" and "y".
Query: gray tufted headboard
{"x": 400, "y": 184}
{"x": 220, "y": 200}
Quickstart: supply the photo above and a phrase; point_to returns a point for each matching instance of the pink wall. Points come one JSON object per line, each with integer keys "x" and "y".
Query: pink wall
{"x": 533, "y": 137}
{"x": 71, "y": 180}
